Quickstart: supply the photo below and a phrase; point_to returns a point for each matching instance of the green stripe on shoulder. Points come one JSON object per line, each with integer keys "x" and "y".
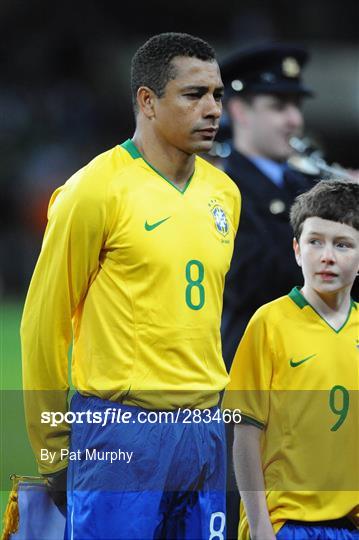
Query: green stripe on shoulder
{"x": 252, "y": 421}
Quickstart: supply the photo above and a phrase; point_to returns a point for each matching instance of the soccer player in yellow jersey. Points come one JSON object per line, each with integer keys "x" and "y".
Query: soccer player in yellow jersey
{"x": 133, "y": 264}
{"x": 295, "y": 378}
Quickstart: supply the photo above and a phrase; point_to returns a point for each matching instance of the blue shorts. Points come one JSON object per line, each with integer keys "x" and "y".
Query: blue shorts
{"x": 144, "y": 480}
{"x": 340, "y": 529}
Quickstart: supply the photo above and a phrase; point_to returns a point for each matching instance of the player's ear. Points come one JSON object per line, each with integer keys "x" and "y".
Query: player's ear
{"x": 145, "y": 100}
{"x": 297, "y": 254}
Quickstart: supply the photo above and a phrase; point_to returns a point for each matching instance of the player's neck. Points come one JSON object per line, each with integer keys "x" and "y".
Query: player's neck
{"x": 172, "y": 163}
{"x": 332, "y": 307}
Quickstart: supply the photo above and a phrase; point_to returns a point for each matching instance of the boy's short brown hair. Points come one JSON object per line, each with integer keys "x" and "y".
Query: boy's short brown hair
{"x": 335, "y": 200}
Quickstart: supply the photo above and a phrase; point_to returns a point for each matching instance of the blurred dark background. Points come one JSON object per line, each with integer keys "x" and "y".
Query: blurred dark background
{"x": 65, "y": 93}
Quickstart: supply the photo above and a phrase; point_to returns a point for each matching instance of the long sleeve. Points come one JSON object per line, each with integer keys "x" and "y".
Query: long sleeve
{"x": 248, "y": 468}
{"x": 68, "y": 262}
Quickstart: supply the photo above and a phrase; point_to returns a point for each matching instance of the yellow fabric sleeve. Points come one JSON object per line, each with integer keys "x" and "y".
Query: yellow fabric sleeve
{"x": 68, "y": 262}
{"x": 251, "y": 373}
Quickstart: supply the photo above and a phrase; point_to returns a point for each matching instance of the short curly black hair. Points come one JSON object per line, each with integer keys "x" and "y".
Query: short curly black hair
{"x": 151, "y": 65}
{"x": 335, "y": 200}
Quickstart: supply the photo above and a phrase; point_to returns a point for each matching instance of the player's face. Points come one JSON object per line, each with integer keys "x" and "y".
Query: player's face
{"x": 271, "y": 121}
{"x": 328, "y": 253}
{"x": 187, "y": 115}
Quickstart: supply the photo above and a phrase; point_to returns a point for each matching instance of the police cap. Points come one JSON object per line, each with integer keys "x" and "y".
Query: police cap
{"x": 273, "y": 68}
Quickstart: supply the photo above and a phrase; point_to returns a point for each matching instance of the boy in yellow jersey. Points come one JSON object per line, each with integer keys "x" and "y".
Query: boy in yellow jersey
{"x": 295, "y": 378}
{"x": 133, "y": 263}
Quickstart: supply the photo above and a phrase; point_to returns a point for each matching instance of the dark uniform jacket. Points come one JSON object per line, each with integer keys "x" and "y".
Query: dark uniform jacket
{"x": 263, "y": 265}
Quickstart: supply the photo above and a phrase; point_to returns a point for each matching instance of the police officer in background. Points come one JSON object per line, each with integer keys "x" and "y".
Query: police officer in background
{"x": 264, "y": 92}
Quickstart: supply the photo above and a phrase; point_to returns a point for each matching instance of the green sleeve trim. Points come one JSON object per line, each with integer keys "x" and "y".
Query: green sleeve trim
{"x": 252, "y": 421}
{"x": 54, "y": 474}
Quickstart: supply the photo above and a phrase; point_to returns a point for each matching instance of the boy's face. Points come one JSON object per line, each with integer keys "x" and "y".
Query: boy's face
{"x": 328, "y": 253}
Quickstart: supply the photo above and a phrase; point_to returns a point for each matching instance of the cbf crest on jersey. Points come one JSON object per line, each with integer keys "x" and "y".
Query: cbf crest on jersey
{"x": 220, "y": 218}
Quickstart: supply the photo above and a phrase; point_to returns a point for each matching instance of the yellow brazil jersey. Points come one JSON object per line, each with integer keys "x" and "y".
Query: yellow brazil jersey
{"x": 139, "y": 267}
{"x": 297, "y": 378}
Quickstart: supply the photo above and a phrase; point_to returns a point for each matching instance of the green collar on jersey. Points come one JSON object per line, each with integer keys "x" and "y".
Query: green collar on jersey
{"x": 135, "y": 154}
{"x": 298, "y": 298}
{"x": 301, "y": 302}
{"x": 131, "y": 149}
